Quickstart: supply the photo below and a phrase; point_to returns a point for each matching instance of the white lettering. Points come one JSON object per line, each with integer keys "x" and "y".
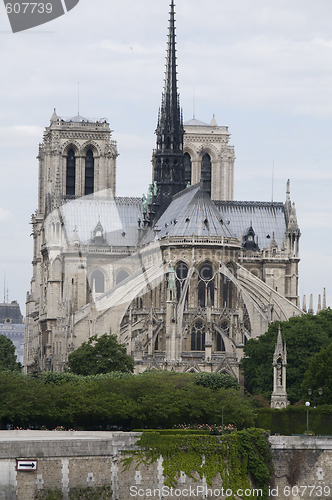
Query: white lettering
{"x": 133, "y": 491}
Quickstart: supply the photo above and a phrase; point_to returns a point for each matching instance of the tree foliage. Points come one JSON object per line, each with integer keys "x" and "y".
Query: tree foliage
{"x": 305, "y": 336}
{"x": 319, "y": 374}
{"x": 7, "y": 355}
{"x": 100, "y": 355}
{"x": 113, "y": 400}
{"x": 216, "y": 380}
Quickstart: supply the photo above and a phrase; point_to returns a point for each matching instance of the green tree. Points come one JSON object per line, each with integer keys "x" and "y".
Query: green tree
{"x": 7, "y": 355}
{"x": 305, "y": 336}
{"x": 100, "y": 355}
{"x": 319, "y": 374}
{"x": 216, "y": 380}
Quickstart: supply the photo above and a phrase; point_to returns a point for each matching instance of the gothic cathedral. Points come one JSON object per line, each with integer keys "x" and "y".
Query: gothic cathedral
{"x": 183, "y": 277}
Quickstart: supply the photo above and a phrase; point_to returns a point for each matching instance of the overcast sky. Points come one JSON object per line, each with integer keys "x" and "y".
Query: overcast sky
{"x": 263, "y": 67}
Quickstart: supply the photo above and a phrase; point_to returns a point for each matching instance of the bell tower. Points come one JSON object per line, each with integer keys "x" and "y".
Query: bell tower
{"x": 76, "y": 158}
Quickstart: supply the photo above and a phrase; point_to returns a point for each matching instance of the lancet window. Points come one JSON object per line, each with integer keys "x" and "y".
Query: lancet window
{"x": 89, "y": 172}
{"x": 206, "y": 285}
{"x": 206, "y": 173}
{"x": 198, "y": 336}
{"x": 70, "y": 173}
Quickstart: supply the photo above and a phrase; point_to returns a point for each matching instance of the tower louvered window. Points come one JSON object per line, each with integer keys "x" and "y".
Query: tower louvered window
{"x": 70, "y": 173}
{"x": 206, "y": 173}
{"x": 187, "y": 168}
{"x": 89, "y": 172}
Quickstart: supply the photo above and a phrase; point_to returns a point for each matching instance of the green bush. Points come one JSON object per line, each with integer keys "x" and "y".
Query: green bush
{"x": 149, "y": 400}
{"x": 293, "y": 420}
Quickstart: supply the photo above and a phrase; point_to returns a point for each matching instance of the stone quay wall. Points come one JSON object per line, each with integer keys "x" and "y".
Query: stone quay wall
{"x": 87, "y": 462}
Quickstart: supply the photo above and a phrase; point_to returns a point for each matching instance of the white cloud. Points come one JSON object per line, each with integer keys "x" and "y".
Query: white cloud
{"x": 20, "y": 135}
{"x": 262, "y": 66}
{"x": 5, "y": 215}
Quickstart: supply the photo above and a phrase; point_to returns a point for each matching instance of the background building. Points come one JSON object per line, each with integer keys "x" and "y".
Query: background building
{"x": 12, "y": 326}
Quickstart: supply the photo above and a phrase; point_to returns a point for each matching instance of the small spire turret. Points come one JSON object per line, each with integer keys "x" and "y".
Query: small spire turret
{"x": 304, "y": 304}
{"x": 279, "y": 395}
{"x": 311, "y": 305}
{"x": 319, "y": 305}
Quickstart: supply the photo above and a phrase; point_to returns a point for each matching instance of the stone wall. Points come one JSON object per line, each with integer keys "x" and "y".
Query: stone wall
{"x": 87, "y": 462}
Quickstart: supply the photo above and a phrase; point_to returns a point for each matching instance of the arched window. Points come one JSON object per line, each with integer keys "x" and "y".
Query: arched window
{"x": 70, "y": 173}
{"x": 206, "y": 285}
{"x": 121, "y": 276}
{"x": 198, "y": 336}
{"x": 220, "y": 346}
{"x": 206, "y": 173}
{"x": 181, "y": 275}
{"x": 187, "y": 168}
{"x": 228, "y": 289}
{"x": 89, "y": 172}
{"x": 97, "y": 281}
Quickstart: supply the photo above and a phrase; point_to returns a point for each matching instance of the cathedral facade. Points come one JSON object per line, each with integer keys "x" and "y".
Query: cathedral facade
{"x": 184, "y": 276}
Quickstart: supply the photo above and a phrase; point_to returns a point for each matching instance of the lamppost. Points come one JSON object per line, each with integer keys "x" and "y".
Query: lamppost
{"x": 307, "y": 405}
{"x": 315, "y": 398}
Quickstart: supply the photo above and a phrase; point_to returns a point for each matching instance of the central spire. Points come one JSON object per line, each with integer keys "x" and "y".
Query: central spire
{"x": 168, "y": 170}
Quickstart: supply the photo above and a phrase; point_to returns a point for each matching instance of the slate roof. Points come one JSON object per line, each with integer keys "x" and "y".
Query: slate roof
{"x": 196, "y": 122}
{"x": 118, "y": 219}
{"x": 190, "y": 213}
{"x": 10, "y": 313}
{"x": 265, "y": 218}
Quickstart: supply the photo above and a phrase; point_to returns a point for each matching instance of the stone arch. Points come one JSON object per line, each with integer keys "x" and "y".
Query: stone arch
{"x": 72, "y": 144}
{"x": 210, "y": 150}
{"x": 94, "y": 146}
{"x": 191, "y": 150}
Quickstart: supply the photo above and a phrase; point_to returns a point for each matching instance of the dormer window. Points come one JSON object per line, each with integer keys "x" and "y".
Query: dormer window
{"x": 249, "y": 240}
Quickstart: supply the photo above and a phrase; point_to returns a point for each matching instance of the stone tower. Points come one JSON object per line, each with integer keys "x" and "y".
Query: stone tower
{"x": 209, "y": 158}
{"x": 279, "y": 395}
{"x": 77, "y": 159}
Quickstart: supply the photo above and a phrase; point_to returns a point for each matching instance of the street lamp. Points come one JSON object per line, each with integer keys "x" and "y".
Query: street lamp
{"x": 307, "y": 405}
{"x": 315, "y": 398}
